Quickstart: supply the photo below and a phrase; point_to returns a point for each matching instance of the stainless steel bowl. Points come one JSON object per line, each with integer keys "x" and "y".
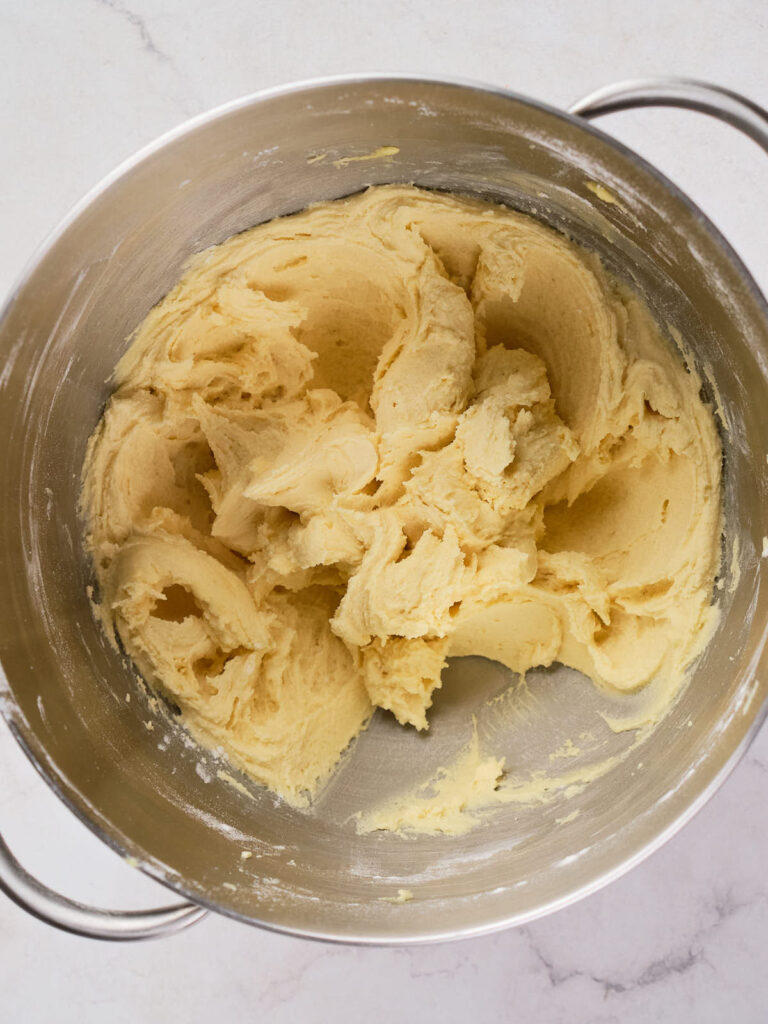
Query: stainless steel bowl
{"x": 140, "y": 788}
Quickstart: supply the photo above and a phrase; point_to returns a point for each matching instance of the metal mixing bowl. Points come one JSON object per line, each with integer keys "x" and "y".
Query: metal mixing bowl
{"x": 148, "y": 793}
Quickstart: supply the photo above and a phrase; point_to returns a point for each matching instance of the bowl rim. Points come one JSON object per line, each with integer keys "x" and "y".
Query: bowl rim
{"x": 35, "y": 751}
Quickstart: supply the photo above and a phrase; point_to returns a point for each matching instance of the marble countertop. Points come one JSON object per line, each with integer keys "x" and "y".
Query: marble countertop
{"x": 682, "y": 938}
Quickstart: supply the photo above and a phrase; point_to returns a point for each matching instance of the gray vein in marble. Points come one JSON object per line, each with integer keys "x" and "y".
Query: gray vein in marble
{"x": 450, "y": 970}
{"x": 137, "y": 22}
{"x": 757, "y": 762}
{"x": 657, "y": 971}
{"x": 282, "y": 989}
{"x": 676, "y": 962}
{"x": 149, "y": 46}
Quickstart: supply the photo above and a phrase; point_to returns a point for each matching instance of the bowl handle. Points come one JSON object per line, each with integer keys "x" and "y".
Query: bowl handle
{"x": 56, "y": 910}
{"x": 723, "y": 104}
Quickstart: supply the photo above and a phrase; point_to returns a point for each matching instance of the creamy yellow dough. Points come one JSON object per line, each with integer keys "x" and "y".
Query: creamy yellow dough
{"x": 354, "y": 442}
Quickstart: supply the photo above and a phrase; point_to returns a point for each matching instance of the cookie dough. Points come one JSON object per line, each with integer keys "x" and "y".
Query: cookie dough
{"x": 359, "y": 440}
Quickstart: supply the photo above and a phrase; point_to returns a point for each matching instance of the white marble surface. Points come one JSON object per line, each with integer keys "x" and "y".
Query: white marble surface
{"x": 683, "y": 937}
